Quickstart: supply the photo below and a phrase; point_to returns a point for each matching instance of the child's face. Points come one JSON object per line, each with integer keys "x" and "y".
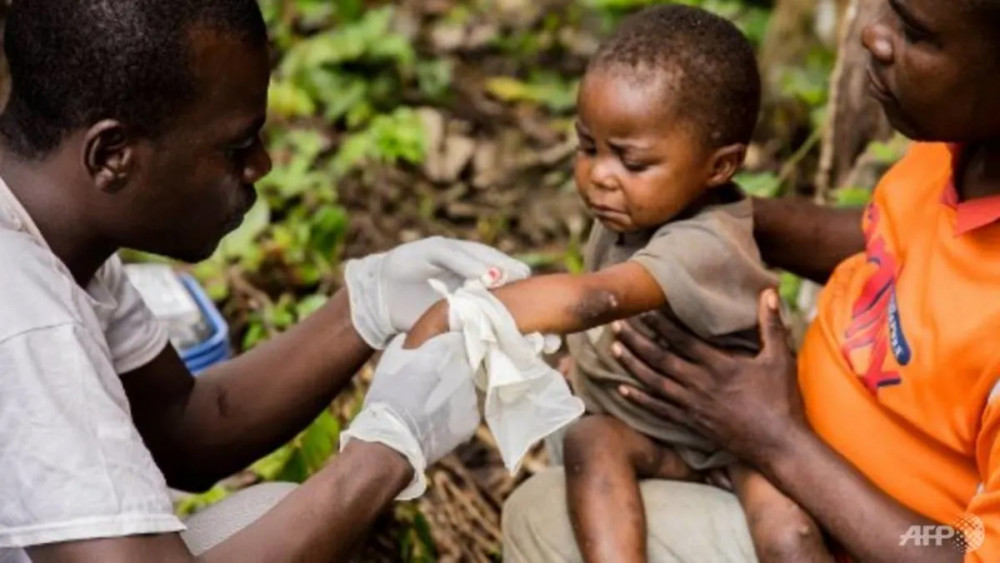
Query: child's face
{"x": 933, "y": 67}
{"x": 638, "y": 164}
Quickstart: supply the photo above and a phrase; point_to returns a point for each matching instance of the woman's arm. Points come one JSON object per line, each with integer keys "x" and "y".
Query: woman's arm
{"x": 805, "y": 238}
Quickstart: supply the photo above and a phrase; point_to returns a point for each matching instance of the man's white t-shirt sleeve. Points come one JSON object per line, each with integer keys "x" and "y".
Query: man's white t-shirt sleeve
{"x": 134, "y": 336}
{"x": 72, "y": 464}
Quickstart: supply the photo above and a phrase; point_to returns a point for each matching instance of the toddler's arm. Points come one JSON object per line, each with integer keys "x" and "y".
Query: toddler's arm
{"x": 562, "y": 303}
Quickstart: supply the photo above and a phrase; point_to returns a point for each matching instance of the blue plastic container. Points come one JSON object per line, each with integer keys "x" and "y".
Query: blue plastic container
{"x": 215, "y": 348}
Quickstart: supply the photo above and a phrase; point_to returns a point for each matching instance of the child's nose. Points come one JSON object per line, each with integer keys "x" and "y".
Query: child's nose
{"x": 602, "y": 175}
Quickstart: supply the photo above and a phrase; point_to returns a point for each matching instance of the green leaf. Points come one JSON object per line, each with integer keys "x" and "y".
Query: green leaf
{"x": 423, "y": 528}
{"x": 329, "y": 226}
{"x": 759, "y": 184}
{"x": 242, "y": 241}
{"x": 851, "y": 197}
{"x": 255, "y": 334}
{"x": 270, "y": 466}
{"x": 544, "y": 89}
{"x": 309, "y": 273}
{"x": 318, "y": 440}
{"x": 295, "y": 471}
{"x": 287, "y": 99}
{"x": 789, "y": 287}
{"x": 434, "y": 78}
{"x": 388, "y": 139}
{"x": 194, "y": 503}
{"x": 309, "y": 305}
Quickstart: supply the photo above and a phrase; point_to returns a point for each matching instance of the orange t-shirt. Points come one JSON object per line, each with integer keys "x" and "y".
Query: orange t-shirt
{"x": 900, "y": 368}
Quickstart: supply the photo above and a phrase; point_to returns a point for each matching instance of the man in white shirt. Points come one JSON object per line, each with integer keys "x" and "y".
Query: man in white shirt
{"x": 136, "y": 124}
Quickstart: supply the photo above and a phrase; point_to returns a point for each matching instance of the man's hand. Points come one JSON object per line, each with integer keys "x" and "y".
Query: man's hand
{"x": 389, "y": 291}
{"x": 422, "y": 403}
{"x": 745, "y": 404}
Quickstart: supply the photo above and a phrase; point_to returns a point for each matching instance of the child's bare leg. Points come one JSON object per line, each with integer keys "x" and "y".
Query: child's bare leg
{"x": 604, "y": 461}
{"x": 781, "y": 531}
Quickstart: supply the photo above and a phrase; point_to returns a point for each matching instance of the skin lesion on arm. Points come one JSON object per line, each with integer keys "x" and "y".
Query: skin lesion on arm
{"x": 562, "y": 303}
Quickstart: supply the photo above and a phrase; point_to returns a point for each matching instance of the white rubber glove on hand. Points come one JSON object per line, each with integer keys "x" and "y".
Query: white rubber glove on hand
{"x": 422, "y": 403}
{"x": 389, "y": 291}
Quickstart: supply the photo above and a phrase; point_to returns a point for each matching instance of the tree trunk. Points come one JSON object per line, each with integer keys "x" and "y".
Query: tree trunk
{"x": 854, "y": 118}
{"x": 4, "y": 73}
{"x": 790, "y": 38}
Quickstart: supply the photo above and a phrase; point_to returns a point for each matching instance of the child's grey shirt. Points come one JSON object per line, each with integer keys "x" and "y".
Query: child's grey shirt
{"x": 710, "y": 270}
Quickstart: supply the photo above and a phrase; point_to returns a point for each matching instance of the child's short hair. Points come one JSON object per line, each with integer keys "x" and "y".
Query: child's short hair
{"x": 719, "y": 83}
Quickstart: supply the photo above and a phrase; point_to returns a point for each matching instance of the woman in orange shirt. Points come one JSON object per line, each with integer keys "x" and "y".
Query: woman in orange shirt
{"x": 884, "y": 427}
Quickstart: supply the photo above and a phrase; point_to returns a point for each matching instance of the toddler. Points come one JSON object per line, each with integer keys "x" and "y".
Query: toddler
{"x": 666, "y": 111}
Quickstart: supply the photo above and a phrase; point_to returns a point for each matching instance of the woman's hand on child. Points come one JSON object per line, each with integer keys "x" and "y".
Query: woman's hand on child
{"x": 746, "y": 404}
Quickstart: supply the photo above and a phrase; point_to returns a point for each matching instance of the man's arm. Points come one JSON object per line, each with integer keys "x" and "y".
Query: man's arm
{"x": 323, "y": 520}
{"x": 563, "y": 303}
{"x": 805, "y": 238}
{"x": 751, "y": 406}
{"x": 202, "y": 429}
{"x": 421, "y": 405}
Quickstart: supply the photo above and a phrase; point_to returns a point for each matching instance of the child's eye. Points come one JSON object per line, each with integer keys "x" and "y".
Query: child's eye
{"x": 632, "y": 166}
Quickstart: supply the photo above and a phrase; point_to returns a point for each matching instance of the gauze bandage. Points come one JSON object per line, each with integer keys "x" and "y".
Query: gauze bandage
{"x": 526, "y": 400}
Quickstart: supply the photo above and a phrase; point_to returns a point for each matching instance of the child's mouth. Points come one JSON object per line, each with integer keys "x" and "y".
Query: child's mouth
{"x": 610, "y": 218}
{"x": 602, "y": 211}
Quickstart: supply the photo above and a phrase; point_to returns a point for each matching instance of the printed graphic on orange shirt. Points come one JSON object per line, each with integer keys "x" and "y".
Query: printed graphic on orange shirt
{"x": 875, "y": 326}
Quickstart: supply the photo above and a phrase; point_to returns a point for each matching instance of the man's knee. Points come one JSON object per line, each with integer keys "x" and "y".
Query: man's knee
{"x": 521, "y": 516}
{"x": 535, "y": 521}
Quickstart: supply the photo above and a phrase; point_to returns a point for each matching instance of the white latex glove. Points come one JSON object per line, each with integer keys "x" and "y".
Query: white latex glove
{"x": 389, "y": 291}
{"x": 422, "y": 403}
{"x": 526, "y": 400}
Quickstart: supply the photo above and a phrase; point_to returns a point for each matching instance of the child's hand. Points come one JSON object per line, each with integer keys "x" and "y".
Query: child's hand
{"x": 431, "y": 324}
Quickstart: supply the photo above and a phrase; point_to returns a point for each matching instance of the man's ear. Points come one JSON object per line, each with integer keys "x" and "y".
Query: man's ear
{"x": 109, "y": 155}
{"x": 724, "y": 164}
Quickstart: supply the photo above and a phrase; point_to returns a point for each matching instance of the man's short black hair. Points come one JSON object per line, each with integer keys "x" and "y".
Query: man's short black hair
{"x": 710, "y": 63}
{"x": 76, "y": 62}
